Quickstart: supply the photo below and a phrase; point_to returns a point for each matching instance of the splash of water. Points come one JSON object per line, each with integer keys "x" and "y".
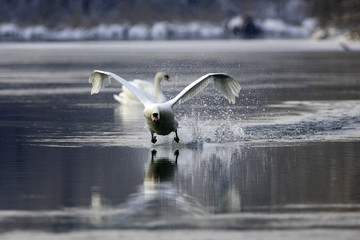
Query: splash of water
{"x": 210, "y": 131}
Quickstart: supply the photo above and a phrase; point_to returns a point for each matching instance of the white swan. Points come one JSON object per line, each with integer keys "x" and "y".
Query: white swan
{"x": 160, "y": 117}
{"x": 151, "y": 90}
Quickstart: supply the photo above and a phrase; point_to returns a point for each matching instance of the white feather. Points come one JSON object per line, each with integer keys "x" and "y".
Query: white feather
{"x": 166, "y": 122}
{"x": 151, "y": 90}
{"x": 224, "y": 83}
{"x": 100, "y": 79}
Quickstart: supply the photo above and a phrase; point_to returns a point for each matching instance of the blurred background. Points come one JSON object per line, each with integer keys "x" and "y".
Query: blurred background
{"x": 65, "y": 20}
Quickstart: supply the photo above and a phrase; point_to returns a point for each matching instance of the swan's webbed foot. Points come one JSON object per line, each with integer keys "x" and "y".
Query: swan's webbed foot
{"x": 176, "y": 138}
{"x": 153, "y": 138}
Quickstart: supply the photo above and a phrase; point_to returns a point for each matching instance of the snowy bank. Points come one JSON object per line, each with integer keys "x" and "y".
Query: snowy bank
{"x": 268, "y": 28}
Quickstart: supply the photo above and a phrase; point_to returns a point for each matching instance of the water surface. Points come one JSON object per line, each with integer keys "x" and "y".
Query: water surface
{"x": 284, "y": 157}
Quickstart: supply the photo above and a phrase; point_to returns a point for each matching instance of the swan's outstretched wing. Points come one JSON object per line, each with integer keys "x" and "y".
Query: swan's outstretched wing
{"x": 228, "y": 86}
{"x": 100, "y": 79}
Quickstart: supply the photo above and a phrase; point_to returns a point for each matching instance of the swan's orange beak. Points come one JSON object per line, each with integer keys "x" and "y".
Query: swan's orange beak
{"x": 155, "y": 117}
{"x": 167, "y": 78}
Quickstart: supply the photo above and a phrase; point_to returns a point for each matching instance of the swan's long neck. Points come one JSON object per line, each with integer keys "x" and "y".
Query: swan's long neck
{"x": 157, "y": 87}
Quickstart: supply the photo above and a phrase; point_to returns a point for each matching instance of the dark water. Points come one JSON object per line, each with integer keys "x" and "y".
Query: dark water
{"x": 285, "y": 156}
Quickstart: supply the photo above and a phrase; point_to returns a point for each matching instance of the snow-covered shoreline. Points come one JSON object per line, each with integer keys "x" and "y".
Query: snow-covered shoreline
{"x": 269, "y": 28}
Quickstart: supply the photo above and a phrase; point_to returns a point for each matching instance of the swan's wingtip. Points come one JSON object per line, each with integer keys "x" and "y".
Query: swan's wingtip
{"x": 94, "y": 90}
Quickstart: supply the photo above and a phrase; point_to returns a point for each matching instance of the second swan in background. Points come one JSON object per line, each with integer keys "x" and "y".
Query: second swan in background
{"x": 151, "y": 90}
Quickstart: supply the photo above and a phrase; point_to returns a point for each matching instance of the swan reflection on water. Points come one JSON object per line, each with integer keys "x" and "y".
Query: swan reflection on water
{"x": 159, "y": 178}
{"x": 159, "y": 195}
{"x": 130, "y": 119}
{"x": 161, "y": 169}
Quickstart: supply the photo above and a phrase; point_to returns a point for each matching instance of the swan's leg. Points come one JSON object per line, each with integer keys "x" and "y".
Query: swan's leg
{"x": 153, "y": 138}
{"x": 176, "y": 138}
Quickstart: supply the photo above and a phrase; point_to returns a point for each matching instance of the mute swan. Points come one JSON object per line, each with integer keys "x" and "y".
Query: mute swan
{"x": 151, "y": 91}
{"x": 160, "y": 117}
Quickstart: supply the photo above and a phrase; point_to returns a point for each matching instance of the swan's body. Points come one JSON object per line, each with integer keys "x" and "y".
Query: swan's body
{"x": 160, "y": 117}
{"x": 161, "y": 124}
{"x": 152, "y": 91}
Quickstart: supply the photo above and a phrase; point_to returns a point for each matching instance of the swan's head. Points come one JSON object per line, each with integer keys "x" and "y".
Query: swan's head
{"x": 155, "y": 113}
{"x": 162, "y": 76}
{"x": 155, "y": 117}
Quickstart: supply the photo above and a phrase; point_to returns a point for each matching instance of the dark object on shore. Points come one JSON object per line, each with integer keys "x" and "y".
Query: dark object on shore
{"x": 250, "y": 30}
{"x": 244, "y": 27}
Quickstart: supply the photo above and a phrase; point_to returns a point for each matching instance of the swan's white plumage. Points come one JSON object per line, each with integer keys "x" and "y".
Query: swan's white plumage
{"x": 224, "y": 83}
{"x": 166, "y": 122}
{"x": 151, "y": 90}
{"x": 100, "y": 79}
